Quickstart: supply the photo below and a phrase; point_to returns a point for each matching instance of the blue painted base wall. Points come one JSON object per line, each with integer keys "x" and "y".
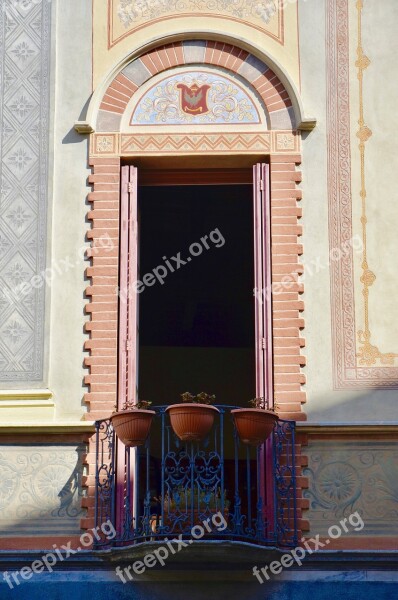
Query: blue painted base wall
{"x": 200, "y": 591}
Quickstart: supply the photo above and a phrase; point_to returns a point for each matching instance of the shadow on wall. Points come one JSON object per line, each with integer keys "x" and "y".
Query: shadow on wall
{"x": 376, "y": 405}
{"x": 41, "y": 490}
{"x": 358, "y": 471}
{"x": 73, "y": 137}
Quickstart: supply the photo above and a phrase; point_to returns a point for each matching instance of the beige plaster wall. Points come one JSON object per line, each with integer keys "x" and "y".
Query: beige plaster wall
{"x": 73, "y": 77}
{"x": 380, "y": 45}
{"x": 106, "y": 55}
{"x": 353, "y": 402}
{"x": 350, "y": 403}
{"x": 73, "y": 63}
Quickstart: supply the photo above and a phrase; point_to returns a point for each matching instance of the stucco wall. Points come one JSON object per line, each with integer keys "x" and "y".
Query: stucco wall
{"x": 116, "y": 36}
{"x": 67, "y": 182}
{"x": 343, "y": 384}
{"x": 339, "y": 386}
{"x": 72, "y": 71}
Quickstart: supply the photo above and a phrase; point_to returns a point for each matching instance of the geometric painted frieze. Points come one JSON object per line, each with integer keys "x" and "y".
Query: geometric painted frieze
{"x": 195, "y": 98}
{"x": 353, "y": 476}
{"x": 116, "y": 144}
{"x": 41, "y": 489}
{"x": 24, "y": 124}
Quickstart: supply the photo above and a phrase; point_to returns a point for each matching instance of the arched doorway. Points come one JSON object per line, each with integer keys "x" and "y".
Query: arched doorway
{"x": 206, "y": 105}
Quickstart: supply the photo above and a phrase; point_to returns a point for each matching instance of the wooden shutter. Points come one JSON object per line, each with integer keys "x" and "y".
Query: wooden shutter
{"x": 263, "y": 324}
{"x": 128, "y": 306}
{"x": 128, "y": 341}
{"x": 262, "y": 282}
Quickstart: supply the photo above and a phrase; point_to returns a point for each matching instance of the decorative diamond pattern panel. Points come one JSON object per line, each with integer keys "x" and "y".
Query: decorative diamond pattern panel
{"x": 24, "y": 122}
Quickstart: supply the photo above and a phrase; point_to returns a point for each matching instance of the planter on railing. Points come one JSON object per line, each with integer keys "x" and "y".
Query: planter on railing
{"x": 254, "y": 425}
{"x": 167, "y": 486}
{"x": 193, "y": 418}
{"x": 191, "y": 422}
{"x": 132, "y": 425}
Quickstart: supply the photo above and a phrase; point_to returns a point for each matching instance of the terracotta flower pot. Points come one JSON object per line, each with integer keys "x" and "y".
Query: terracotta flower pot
{"x": 191, "y": 422}
{"x": 254, "y": 425}
{"x": 132, "y": 426}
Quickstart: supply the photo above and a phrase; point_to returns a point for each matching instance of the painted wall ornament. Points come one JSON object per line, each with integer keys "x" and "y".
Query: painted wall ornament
{"x": 196, "y": 98}
{"x": 337, "y": 486}
{"x": 41, "y": 489}
{"x": 353, "y": 476}
{"x": 131, "y": 11}
{"x": 24, "y": 154}
{"x": 193, "y": 100}
{"x": 360, "y": 360}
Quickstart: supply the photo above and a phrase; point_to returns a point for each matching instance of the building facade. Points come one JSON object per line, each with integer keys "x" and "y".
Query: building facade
{"x": 259, "y": 135}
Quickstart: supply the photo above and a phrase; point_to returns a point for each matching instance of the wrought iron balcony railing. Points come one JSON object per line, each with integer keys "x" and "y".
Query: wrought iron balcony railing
{"x": 165, "y": 488}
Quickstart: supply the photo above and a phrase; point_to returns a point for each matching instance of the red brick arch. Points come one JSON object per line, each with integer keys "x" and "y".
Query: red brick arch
{"x": 266, "y": 83}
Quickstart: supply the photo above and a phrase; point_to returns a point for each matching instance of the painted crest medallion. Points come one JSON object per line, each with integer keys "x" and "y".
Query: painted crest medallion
{"x": 193, "y": 99}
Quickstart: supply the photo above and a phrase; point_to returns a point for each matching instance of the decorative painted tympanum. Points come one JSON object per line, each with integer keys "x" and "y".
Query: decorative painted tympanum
{"x": 196, "y": 97}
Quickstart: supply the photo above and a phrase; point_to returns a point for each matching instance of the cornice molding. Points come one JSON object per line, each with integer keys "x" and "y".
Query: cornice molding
{"x": 42, "y": 428}
{"x": 40, "y": 394}
{"x": 347, "y": 428}
{"x": 83, "y": 127}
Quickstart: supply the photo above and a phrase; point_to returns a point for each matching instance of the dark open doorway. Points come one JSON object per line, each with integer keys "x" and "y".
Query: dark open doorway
{"x": 196, "y": 315}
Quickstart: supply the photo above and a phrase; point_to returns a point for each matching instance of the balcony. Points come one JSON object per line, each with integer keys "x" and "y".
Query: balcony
{"x": 167, "y": 488}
